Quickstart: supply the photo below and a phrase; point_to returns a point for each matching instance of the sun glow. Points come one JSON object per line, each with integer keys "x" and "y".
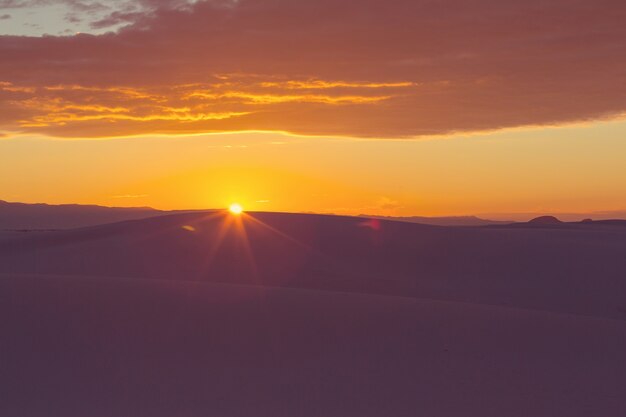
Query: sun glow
{"x": 235, "y": 209}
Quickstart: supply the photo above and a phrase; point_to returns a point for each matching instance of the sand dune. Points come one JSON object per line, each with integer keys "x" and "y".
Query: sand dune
{"x": 115, "y": 347}
{"x": 304, "y": 315}
{"x": 573, "y": 268}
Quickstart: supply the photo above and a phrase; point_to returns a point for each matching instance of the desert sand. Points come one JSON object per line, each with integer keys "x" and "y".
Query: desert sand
{"x": 209, "y": 314}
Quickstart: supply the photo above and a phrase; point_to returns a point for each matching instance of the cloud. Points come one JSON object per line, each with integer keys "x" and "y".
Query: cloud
{"x": 110, "y": 14}
{"x": 371, "y": 68}
{"x": 76, "y": 5}
{"x": 114, "y": 19}
{"x": 75, "y": 110}
{"x": 386, "y": 203}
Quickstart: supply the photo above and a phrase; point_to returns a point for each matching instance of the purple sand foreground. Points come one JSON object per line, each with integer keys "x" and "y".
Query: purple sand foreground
{"x": 207, "y": 314}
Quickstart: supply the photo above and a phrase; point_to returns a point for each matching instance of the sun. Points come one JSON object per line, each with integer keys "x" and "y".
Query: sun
{"x": 235, "y": 209}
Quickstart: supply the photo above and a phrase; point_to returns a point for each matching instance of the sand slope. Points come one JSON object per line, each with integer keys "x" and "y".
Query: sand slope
{"x": 574, "y": 268}
{"x": 148, "y": 348}
{"x": 313, "y": 316}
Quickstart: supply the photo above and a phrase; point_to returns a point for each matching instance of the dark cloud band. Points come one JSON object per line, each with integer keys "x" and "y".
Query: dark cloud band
{"x": 340, "y": 67}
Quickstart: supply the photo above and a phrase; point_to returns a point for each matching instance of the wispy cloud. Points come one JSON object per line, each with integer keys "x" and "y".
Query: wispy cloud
{"x": 69, "y": 109}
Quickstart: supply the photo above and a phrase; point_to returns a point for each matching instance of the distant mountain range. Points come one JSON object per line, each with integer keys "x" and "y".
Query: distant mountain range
{"x": 566, "y": 217}
{"x": 24, "y": 216}
{"x": 21, "y": 216}
{"x": 443, "y": 221}
{"x": 16, "y": 216}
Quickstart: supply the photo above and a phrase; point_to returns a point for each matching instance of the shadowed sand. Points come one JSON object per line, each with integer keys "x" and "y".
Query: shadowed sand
{"x": 303, "y": 315}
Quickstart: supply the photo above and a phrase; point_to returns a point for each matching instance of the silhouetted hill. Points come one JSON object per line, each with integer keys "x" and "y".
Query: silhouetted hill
{"x": 605, "y": 222}
{"x": 545, "y": 220}
{"x": 551, "y": 222}
{"x": 20, "y": 216}
{"x": 23, "y": 216}
{"x": 442, "y": 221}
{"x": 565, "y": 217}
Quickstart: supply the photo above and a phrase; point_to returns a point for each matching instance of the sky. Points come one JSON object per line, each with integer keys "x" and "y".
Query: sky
{"x": 404, "y": 107}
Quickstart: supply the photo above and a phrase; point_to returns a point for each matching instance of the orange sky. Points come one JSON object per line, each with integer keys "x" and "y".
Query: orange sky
{"x": 578, "y": 168}
{"x": 181, "y": 104}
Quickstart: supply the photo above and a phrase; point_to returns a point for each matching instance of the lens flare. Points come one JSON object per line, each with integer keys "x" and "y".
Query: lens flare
{"x": 235, "y": 208}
